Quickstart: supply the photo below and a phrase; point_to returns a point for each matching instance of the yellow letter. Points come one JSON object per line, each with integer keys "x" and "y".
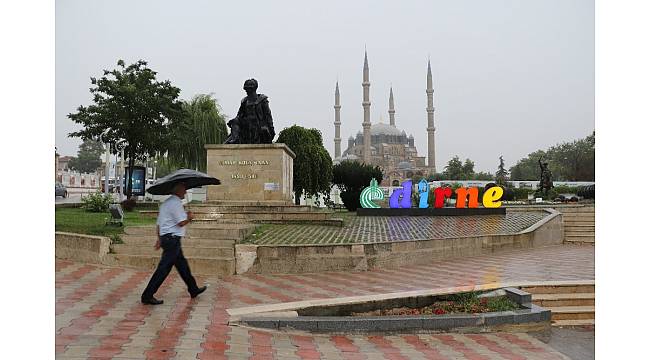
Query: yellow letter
{"x": 491, "y": 197}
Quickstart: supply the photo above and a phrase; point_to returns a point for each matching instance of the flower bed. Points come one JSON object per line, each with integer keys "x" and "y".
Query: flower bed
{"x": 462, "y": 312}
{"x": 468, "y": 303}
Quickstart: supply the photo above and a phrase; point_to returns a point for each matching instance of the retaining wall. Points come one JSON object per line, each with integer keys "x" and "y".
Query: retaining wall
{"x": 83, "y": 248}
{"x": 317, "y": 258}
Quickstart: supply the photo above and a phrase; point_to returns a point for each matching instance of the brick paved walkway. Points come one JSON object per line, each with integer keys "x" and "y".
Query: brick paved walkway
{"x": 98, "y": 314}
{"x": 371, "y": 229}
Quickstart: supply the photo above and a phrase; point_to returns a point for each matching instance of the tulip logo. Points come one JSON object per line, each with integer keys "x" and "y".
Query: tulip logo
{"x": 372, "y": 192}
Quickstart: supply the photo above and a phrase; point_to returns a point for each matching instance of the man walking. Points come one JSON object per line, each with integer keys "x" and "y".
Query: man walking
{"x": 170, "y": 227}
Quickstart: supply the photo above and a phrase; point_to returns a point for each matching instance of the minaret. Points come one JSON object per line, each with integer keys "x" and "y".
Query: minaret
{"x": 366, "y": 110}
{"x": 337, "y": 122}
{"x": 431, "y": 146}
{"x": 391, "y": 108}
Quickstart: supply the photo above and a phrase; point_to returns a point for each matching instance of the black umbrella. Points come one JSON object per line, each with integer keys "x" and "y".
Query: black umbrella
{"x": 191, "y": 179}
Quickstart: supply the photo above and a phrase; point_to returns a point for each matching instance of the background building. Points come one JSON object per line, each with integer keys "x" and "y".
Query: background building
{"x": 388, "y": 147}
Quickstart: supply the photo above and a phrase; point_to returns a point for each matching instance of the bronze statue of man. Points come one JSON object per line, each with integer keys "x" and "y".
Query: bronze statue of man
{"x": 546, "y": 178}
{"x": 253, "y": 123}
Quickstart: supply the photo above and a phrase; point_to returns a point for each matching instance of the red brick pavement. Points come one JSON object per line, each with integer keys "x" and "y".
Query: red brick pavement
{"x": 99, "y": 314}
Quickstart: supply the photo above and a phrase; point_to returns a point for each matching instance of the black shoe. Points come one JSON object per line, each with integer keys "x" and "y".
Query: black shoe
{"x": 151, "y": 301}
{"x": 198, "y": 291}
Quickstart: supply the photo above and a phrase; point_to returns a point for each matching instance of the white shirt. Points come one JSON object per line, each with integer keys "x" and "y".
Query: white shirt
{"x": 170, "y": 214}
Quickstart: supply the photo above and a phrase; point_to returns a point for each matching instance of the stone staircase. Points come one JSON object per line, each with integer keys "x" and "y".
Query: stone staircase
{"x": 579, "y": 224}
{"x": 209, "y": 248}
{"x": 570, "y": 304}
{"x": 240, "y": 212}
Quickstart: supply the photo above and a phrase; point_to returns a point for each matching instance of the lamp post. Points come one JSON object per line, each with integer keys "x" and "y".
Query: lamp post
{"x": 155, "y": 165}
{"x": 107, "y": 167}
{"x": 122, "y": 177}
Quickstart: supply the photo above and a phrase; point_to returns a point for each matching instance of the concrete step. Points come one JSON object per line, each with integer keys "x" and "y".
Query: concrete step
{"x": 560, "y": 289}
{"x": 323, "y": 222}
{"x": 582, "y": 224}
{"x": 190, "y": 251}
{"x": 585, "y": 238}
{"x": 249, "y": 209}
{"x": 579, "y": 221}
{"x": 222, "y": 231}
{"x": 583, "y": 322}
{"x": 579, "y": 216}
{"x": 150, "y": 240}
{"x": 561, "y": 300}
{"x": 580, "y": 227}
{"x": 577, "y": 210}
{"x": 569, "y": 219}
{"x": 249, "y": 203}
{"x": 572, "y": 312}
{"x": 579, "y": 231}
{"x": 198, "y": 265}
{"x": 580, "y": 240}
{"x": 263, "y": 217}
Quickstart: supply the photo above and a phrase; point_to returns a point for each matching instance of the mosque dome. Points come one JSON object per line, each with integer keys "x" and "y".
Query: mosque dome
{"x": 381, "y": 128}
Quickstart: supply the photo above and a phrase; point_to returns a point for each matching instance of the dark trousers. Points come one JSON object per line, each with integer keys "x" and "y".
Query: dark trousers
{"x": 172, "y": 256}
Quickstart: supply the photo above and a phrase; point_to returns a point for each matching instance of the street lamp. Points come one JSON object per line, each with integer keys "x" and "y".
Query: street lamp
{"x": 122, "y": 177}
{"x": 107, "y": 168}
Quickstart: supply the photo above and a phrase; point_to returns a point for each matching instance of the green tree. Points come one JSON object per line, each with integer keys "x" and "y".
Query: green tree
{"x": 502, "y": 174}
{"x": 352, "y": 177}
{"x": 569, "y": 161}
{"x": 129, "y": 104}
{"x": 202, "y": 122}
{"x": 89, "y": 157}
{"x": 454, "y": 169}
{"x": 575, "y": 161}
{"x": 527, "y": 168}
{"x": 312, "y": 167}
{"x": 482, "y": 176}
{"x": 468, "y": 169}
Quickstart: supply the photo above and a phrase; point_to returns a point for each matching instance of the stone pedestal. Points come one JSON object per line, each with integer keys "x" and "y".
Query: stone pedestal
{"x": 250, "y": 173}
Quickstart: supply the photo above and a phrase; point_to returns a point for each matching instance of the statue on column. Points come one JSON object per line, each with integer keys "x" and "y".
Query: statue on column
{"x": 253, "y": 123}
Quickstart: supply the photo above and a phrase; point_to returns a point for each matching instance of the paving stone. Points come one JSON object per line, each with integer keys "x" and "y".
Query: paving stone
{"x": 188, "y": 335}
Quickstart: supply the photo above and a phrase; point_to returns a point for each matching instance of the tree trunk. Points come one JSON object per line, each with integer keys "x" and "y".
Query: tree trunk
{"x": 298, "y": 193}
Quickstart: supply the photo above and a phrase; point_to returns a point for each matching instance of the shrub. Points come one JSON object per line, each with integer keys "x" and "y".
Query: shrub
{"x": 501, "y": 303}
{"x": 563, "y": 189}
{"x": 352, "y": 177}
{"x": 116, "y": 239}
{"x": 96, "y": 202}
{"x": 128, "y": 204}
{"x": 521, "y": 193}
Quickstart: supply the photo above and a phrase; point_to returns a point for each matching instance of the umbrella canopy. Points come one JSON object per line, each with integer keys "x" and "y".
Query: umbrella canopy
{"x": 191, "y": 179}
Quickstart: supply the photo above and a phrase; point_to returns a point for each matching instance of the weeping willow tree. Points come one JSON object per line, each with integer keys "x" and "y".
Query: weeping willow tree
{"x": 202, "y": 123}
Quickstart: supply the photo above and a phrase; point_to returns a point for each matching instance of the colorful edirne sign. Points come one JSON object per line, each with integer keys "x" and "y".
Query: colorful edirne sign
{"x": 401, "y": 197}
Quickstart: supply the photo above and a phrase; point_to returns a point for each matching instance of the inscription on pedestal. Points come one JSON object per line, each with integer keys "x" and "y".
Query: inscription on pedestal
{"x": 262, "y": 172}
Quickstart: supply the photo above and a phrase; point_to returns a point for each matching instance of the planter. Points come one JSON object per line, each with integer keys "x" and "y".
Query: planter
{"x": 529, "y": 318}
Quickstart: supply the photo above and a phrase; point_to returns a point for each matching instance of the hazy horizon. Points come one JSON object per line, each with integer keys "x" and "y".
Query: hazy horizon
{"x": 509, "y": 77}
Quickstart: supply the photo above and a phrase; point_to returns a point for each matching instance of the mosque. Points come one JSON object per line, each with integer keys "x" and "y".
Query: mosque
{"x": 389, "y": 147}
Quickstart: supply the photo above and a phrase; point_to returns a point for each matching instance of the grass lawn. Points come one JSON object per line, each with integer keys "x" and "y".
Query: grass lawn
{"x": 79, "y": 221}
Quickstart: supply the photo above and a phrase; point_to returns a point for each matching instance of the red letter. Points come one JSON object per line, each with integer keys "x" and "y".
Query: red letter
{"x": 439, "y": 195}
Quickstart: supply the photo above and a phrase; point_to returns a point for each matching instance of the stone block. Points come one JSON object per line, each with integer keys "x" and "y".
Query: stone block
{"x": 499, "y": 318}
{"x": 450, "y": 322}
{"x": 244, "y": 169}
{"x": 526, "y": 316}
{"x": 518, "y": 296}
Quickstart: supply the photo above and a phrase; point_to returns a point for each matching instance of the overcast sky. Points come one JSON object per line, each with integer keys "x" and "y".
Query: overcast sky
{"x": 510, "y": 77}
